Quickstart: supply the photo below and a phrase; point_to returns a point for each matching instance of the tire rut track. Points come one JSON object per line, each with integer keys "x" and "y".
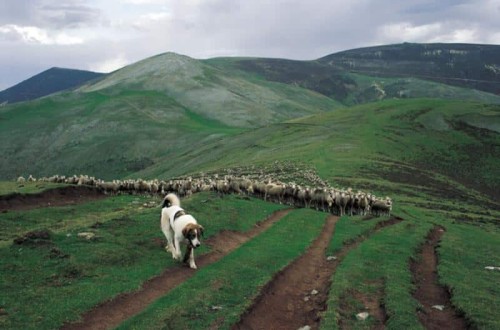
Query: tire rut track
{"x": 429, "y": 293}
{"x": 113, "y": 312}
{"x": 287, "y": 301}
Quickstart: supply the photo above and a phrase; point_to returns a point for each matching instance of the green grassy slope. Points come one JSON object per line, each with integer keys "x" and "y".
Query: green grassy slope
{"x": 105, "y": 135}
{"x": 347, "y": 86}
{"x": 214, "y": 93}
{"x": 128, "y": 120}
{"x": 439, "y": 147}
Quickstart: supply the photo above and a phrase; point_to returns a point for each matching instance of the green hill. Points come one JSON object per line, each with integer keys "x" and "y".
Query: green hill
{"x": 352, "y": 86}
{"x": 215, "y": 94}
{"x": 172, "y": 115}
{"x": 426, "y": 144}
{"x": 133, "y": 117}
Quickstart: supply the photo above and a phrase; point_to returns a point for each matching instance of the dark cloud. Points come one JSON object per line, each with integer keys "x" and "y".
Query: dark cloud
{"x": 294, "y": 29}
{"x": 51, "y": 14}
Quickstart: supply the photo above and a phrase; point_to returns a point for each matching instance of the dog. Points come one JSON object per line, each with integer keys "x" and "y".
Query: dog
{"x": 180, "y": 227}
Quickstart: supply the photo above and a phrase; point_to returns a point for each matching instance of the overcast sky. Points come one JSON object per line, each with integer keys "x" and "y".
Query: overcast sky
{"x": 104, "y": 35}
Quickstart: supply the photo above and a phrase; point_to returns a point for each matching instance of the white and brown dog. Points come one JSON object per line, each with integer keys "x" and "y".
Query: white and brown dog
{"x": 180, "y": 227}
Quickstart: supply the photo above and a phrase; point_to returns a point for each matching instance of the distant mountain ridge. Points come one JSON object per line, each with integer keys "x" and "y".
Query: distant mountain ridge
{"x": 466, "y": 65}
{"x": 47, "y": 82}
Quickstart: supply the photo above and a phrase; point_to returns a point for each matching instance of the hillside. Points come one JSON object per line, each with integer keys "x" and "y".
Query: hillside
{"x": 349, "y": 86}
{"x": 215, "y": 94}
{"x": 377, "y": 146}
{"x": 466, "y": 65}
{"x": 131, "y": 118}
{"x": 50, "y": 81}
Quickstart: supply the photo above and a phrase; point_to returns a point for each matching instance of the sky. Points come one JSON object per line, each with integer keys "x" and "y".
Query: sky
{"x": 105, "y": 35}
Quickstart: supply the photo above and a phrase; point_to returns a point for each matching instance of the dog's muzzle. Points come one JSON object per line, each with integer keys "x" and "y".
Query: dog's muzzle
{"x": 194, "y": 244}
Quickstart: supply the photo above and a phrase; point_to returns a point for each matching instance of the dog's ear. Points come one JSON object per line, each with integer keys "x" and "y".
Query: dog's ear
{"x": 185, "y": 231}
{"x": 201, "y": 230}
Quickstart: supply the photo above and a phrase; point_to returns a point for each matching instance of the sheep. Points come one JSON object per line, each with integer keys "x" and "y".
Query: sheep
{"x": 289, "y": 194}
{"x": 320, "y": 199}
{"x": 304, "y": 197}
{"x": 320, "y": 196}
{"x": 260, "y": 189}
{"x": 246, "y": 186}
{"x": 234, "y": 185}
{"x": 21, "y": 179}
{"x": 364, "y": 205}
{"x": 274, "y": 192}
{"x": 382, "y": 207}
{"x": 342, "y": 199}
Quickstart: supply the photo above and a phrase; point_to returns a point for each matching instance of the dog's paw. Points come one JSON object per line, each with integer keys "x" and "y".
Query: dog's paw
{"x": 193, "y": 266}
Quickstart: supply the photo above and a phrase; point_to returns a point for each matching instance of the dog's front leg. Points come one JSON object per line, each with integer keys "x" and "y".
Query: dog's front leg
{"x": 189, "y": 256}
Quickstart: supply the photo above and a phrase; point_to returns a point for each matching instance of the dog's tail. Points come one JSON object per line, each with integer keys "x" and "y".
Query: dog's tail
{"x": 171, "y": 200}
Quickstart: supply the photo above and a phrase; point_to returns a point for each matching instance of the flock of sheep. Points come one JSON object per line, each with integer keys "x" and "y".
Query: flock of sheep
{"x": 323, "y": 198}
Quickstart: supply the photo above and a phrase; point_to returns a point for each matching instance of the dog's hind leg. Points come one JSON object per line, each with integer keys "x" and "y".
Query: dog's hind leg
{"x": 176, "y": 251}
{"x": 170, "y": 238}
{"x": 189, "y": 257}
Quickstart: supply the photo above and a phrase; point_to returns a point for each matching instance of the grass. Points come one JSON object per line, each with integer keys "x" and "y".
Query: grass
{"x": 46, "y": 282}
{"x": 378, "y": 264}
{"x": 436, "y": 158}
{"x": 13, "y": 187}
{"x": 246, "y": 270}
{"x": 464, "y": 253}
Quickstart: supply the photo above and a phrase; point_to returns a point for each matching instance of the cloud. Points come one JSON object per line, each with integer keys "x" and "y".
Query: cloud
{"x": 35, "y": 35}
{"x": 405, "y": 31}
{"x": 103, "y": 35}
{"x": 50, "y": 14}
{"x": 110, "y": 65}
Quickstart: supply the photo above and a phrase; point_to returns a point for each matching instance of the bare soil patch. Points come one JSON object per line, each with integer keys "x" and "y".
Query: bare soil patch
{"x": 429, "y": 293}
{"x": 372, "y": 304}
{"x": 53, "y": 197}
{"x": 111, "y": 313}
{"x": 288, "y": 301}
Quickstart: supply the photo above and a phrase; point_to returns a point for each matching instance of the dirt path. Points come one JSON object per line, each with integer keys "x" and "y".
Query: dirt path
{"x": 429, "y": 293}
{"x": 111, "y": 313}
{"x": 53, "y": 197}
{"x": 288, "y": 301}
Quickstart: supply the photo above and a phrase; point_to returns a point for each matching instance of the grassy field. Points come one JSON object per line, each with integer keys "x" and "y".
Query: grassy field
{"x": 48, "y": 281}
{"x": 436, "y": 158}
{"x": 52, "y": 280}
{"x": 245, "y": 272}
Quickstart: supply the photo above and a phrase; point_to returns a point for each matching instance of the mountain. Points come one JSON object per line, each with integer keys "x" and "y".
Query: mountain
{"x": 50, "y": 81}
{"x": 213, "y": 93}
{"x": 132, "y": 118}
{"x": 466, "y": 65}
{"x": 469, "y": 72}
{"x": 172, "y": 115}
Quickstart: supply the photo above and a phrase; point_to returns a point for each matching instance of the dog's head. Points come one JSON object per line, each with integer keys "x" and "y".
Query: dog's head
{"x": 193, "y": 232}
